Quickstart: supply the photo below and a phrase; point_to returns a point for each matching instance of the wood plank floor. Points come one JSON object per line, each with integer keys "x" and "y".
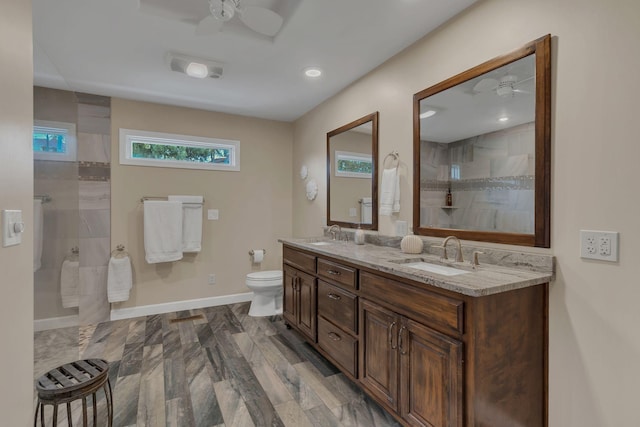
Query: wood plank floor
{"x": 211, "y": 367}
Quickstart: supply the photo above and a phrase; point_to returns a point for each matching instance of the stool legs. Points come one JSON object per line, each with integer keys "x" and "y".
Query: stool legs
{"x": 109, "y": 402}
{"x": 69, "y": 420}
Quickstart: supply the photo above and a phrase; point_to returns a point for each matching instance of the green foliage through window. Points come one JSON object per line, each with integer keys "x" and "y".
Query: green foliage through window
{"x": 358, "y": 166}
{"x": 143, "y": 150}
{"x": 49, "y": 142}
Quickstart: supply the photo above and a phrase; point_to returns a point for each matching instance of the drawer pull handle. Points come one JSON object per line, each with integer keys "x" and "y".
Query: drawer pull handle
{"x": 334, "y": 272}
{"x": 400, "y": 346}
{"x": 334, "y": 296}
{"x": 391, "y": 326}
{"x": 334, "y": 336}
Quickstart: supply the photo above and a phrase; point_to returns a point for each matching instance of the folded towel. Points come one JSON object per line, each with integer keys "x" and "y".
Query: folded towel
{"x": 162, "y": 231}
{"x": 390, "y": 192}
{"x": 37, "y": 234}
{"x": 365, "y": 211}
{"x": 119, "y": 279}
{"x": 191, "y": 222}
{"x": 70, "y": 283}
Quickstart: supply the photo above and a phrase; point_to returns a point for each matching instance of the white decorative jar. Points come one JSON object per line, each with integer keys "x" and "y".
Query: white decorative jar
{"x": 358, "y": 236}
{"x": 411, "y": 244}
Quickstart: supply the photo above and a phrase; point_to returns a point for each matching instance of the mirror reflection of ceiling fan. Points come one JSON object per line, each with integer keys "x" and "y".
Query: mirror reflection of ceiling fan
{"x": 507, "y": 86}
{"x": 259, "y": 19}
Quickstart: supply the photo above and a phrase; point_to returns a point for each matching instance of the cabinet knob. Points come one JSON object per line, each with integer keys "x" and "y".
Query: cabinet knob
{"x": 334, "y": 296}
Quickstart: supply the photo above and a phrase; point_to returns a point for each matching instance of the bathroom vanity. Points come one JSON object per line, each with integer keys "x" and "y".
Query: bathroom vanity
{"x": 463, "y": 346}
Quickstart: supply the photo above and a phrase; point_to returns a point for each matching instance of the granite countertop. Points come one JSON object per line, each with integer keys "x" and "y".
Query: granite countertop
{"x": 486, "y": 279}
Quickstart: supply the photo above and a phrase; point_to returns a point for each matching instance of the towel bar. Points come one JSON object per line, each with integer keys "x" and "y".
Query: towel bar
{"x": 162, "y": 198}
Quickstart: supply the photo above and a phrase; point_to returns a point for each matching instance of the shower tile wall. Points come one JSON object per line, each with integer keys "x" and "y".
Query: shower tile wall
{"x": 94, "y": 142}
{"x": 491, "y": 180}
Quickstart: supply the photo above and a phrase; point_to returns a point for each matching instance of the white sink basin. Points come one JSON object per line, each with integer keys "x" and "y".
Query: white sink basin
{"x": 320, "y": 243}
{"x": 418, "y": 264}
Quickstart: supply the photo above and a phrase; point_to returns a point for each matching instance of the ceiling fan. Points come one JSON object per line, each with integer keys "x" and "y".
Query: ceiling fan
{"x": 259, "y": 19}
{"x": 505, "y": 87}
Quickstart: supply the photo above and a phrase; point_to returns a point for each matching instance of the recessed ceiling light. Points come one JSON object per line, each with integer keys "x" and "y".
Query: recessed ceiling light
{"x": 313, "y": 72}
{"x": 427, "y": 113}
{"x": 503, "y": 119}
{"x": 197, "y": 70}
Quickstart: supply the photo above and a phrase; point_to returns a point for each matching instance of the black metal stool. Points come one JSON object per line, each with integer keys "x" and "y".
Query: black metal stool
{"x": 76, "y": 380}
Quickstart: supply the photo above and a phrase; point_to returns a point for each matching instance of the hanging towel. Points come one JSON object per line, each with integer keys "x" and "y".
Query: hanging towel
{"x": 365, "y": 211}
{"x": 119, "y": 279}
{"x": 37, "y": 234}
{"x": 390, "y": 192}
{"x": 70, "y": 283}
{"x": 162, "y": 231}
{"x": 191, "y": 222}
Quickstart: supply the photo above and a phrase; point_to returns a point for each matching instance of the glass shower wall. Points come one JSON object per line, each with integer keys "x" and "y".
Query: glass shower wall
{"x": 77, "y": 216}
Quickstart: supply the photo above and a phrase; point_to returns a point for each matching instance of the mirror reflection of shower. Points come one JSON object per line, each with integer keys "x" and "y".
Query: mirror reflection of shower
{"x": 71, "y": 146}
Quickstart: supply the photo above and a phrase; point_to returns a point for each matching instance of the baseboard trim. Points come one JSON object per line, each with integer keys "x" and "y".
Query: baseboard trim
{"x": 147, "y": 310}
{"x": 55, "y": 323}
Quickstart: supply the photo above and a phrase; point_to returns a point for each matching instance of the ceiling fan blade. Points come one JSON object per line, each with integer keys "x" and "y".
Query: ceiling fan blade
{"x": 261, "y": 20}
{"x": 485, "y": 85}
{"x": 209, "y": 26}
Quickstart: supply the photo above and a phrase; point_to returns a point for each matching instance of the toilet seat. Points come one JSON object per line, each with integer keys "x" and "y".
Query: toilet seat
{"x": 263, "y": 276}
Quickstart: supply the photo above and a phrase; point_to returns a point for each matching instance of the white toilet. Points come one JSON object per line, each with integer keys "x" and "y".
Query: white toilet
{"x": 267, "y": 293}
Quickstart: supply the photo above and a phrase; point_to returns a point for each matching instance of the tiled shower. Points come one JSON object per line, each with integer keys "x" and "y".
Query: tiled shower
{"x": 78, "y": 212}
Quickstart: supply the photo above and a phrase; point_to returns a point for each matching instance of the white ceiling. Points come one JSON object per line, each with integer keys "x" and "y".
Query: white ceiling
{"x": 115, "y": 48}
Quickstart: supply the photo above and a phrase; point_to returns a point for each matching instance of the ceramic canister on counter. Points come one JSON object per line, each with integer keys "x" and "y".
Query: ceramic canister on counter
{"x": 411, "y": 244}
{"x": 358, "y": 236}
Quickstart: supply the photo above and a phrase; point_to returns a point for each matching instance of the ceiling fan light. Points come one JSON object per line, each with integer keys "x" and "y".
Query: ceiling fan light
{"x": 313, "y": 72}
{"x": 427, "y": 113}
{"x": 197, "y": 70}
{"x": 222, "y": 9}
{"x": 506, "y": 90}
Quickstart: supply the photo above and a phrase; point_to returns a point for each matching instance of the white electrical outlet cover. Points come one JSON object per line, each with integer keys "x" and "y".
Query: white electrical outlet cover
{"x": 600, "y": 245}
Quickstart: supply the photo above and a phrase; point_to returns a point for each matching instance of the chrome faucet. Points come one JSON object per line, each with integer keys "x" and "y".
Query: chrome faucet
{"x": 459, "y": 249}
{"x": 332, "y": 231}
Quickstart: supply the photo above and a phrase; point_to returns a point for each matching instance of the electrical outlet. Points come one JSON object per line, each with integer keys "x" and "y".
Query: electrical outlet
{"x": 600, "y": 245}
{"x": 212, "y": 279}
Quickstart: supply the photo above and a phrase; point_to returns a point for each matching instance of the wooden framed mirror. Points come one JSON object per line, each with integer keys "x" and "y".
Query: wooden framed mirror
{"x": 352, "y": 174}
{"x": 482, "y": 151}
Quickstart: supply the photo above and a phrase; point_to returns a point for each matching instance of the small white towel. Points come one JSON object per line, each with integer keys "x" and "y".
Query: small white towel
{"x": 390, "y": 192}
{"x": 37, "y": 234}
{"x": 119, "y": 279}
{"x": 365, "y": 211}
{"x": 70, "y": 283}
{"x": 162, "y": 231}
{"x": 191, "y": 222}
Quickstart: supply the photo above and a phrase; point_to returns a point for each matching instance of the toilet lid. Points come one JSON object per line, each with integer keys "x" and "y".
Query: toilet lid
{"x": 265, "y": 275}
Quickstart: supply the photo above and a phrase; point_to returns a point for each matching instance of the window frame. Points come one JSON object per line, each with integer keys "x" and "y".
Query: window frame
{"x": 71, "y": 141}
{"x": 129, "y": 136}
{"x": 348, "y": 155}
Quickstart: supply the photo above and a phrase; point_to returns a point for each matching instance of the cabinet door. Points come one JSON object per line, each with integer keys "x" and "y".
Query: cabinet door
{"x": 307, "y": 305}
{"x": 430, "y": 377}
{"x": 379, "y": 354}
{"x": 289, "y": 304}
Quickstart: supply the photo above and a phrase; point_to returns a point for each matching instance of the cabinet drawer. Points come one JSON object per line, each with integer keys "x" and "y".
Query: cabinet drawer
{"x": 337, "y": 273}
{"x": 342, "y": 347}
{"x": 338, "y": 305}
{"x": 444, "y": 313}
{"x": 299, "y": 259}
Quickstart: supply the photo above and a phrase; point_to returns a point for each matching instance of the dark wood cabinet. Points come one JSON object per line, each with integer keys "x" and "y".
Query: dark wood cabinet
{"x": 299, "y": 301}
{"x": 430, "y": 356}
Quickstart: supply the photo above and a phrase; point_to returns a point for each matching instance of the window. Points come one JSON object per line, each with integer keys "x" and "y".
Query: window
{"x": 354, "y": 165}
{"x": 54, "y": 141}
{"x": 143, "y": 148}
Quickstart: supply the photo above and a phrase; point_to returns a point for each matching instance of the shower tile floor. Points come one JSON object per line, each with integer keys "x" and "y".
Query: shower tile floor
{"x": 210, "y": 367}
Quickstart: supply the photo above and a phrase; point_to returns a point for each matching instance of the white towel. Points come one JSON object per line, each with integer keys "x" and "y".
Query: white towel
{"x": 390, "y": 192}
{"x": 365, "y": 211}
{"x": 37, "y": 234}
{"x": 191, "y": 222}
{"x": 70, "y": 283}
{"x": 162, "y": 231}
{"x": 119, "y": 279}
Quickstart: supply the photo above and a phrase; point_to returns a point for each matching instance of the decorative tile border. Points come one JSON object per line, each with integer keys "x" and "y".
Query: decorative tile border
{"x": 523, "y": 182}
{"x": 94, "y": 171}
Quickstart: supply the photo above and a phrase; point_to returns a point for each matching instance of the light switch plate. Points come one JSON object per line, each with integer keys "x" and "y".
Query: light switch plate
{"x": 212, "y": 214}
{"x": 12, "y": 227}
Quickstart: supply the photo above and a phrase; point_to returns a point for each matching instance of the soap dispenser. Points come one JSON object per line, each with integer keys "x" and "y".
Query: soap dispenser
{"x": 358, "y": 236}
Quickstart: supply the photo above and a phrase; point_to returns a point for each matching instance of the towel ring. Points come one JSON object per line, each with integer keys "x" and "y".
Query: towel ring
{"x": 395, "y": 158}
{"x": 119, "y": 252}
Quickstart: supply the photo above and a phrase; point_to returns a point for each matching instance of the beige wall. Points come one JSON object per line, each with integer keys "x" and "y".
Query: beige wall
{"x": 594, "y": 333}
{"x": 254, "y": 204}
{"x": 16, "y": 192}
